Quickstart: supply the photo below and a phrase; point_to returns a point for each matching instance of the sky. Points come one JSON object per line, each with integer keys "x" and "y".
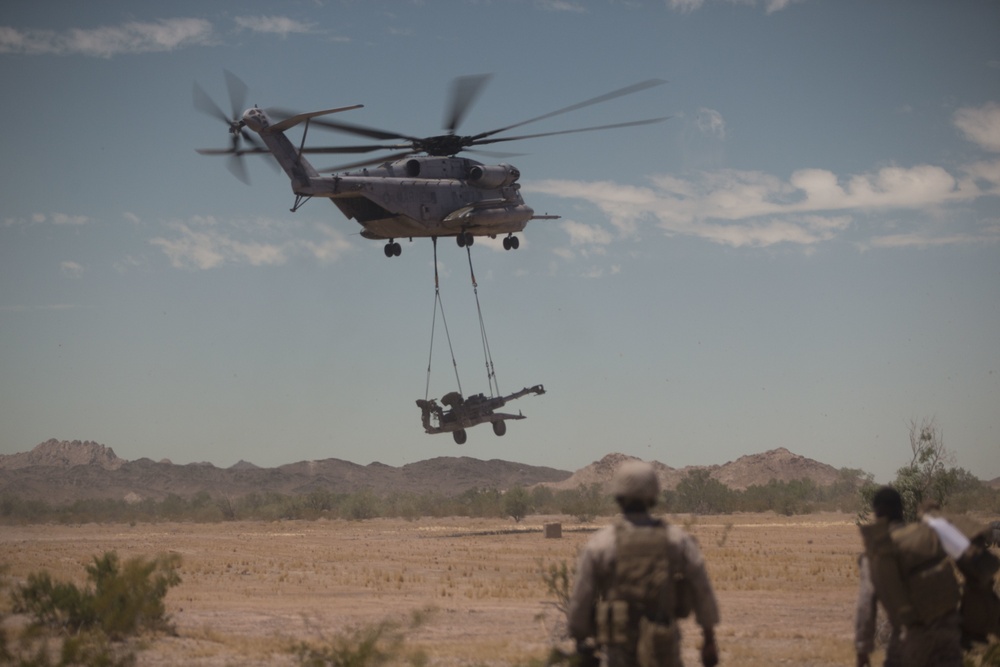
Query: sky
{"x": 805, "y": 255}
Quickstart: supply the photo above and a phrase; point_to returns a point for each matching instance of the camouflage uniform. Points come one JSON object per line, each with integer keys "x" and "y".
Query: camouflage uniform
{"x": 914, "y": 580}
{"x": 595, "y": 583}
{"x": 865, "y": 619}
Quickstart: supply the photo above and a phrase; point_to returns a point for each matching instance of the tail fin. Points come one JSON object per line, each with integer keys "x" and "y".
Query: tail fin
{"x": 288, "y": 156}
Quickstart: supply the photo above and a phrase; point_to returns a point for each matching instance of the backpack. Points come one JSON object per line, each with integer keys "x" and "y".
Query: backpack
{"x": 913, "y": 577}
{"x": 642, "y": 599}
{"x": 980, "y": 606}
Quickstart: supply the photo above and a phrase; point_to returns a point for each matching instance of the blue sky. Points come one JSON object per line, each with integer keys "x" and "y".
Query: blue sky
{"x": 806, "y": 255}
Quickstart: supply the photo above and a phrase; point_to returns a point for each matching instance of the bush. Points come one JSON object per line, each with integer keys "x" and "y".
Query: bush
{"x": 516, "y": 503}
{"x": 378, "y": 644}
{"x": 125, "y": 599}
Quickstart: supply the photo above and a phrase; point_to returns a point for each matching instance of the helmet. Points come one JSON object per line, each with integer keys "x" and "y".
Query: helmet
{"x": 636, "y": 480}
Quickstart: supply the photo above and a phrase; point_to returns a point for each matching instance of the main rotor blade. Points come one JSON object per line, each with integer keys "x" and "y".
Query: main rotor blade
{"x": 464, "y": 91}
{"x": 237, "y": 94}
{"x": 628, "y": 90}
{"x": 480, "y": 142}
{"x": 238, "y": 168}
{"x": 353, "y": 149}
{"x": 205, "y": 104}
{"x": 360, "y": 130}
{"x": 319, "y": 150}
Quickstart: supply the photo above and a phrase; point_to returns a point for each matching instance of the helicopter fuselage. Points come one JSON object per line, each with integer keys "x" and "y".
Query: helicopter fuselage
{"x": 428, "y": 196}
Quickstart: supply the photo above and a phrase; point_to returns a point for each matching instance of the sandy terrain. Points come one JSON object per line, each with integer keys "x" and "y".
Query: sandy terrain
{"x": 251, "y": 590}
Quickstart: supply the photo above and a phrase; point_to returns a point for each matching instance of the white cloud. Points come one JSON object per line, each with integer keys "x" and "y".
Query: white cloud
{"x": 582, "y": 234}
{"x": 277, "y": 25}
{"x": 42, "y": 218}
{"x": 71, "y": 269}
{"x": 64, "y": 219}
{"x": 750, "y": 208}
{"x": 206, "y": 243}
{"x": 685, "y": 6}
{"x": 711, "y": 123}
{"x": 980, "y": 125}
{"x": 770, "y": 6}
{"x": 108, "y": 41}
{"x": 927, "y": 239}
{"x": 330, "y": 247}
{"x": 560, "y": 6}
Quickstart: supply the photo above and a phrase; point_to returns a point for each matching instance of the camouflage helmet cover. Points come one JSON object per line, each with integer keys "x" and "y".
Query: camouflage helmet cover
{"x": 636, "y": 480}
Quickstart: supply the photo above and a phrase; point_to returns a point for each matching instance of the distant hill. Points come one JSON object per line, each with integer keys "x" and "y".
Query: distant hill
{"x": 778, "y": 464}
{"x": 55, "y": 453}
{"x": 62, "y": 472}
{"x": 65, "y": 471}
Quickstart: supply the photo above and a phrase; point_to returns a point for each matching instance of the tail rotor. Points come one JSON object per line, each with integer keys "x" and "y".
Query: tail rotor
{"x": 234, "y": 121}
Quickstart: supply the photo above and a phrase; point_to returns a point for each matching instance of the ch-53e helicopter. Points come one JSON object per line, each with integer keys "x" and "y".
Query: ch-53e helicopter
{"x": 423, "y": 189}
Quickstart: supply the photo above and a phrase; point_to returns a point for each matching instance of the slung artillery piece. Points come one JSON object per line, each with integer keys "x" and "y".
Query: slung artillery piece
{"x": 463, "y": 413}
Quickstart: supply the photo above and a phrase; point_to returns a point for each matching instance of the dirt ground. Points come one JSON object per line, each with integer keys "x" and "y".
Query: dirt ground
{"x": 252, "y": 590}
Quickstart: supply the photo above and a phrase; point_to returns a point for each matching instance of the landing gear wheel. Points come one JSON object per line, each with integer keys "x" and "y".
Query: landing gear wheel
{"x": 460, "y": 436}
{"x": 500, "y": 427}
{"x": 506, "y": 243}
{"x": 465, "y": 239}
{"x": 514, "y": 243}
{"x": 393, "y": 249}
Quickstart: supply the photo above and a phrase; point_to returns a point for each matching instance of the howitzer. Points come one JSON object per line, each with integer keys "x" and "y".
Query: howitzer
{"x": 462, "y": 413}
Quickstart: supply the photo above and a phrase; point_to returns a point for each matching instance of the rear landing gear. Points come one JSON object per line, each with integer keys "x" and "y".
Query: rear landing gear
{"x": 465, "y": 239}
{"x": 500, "y": 427}
{"x": 460, "y": 436}
{"x": 393, "y": 249}
{"x": 511, "y": 242}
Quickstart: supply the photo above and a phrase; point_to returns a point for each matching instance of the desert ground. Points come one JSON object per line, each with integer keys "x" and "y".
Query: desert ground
{"x": 251, "y": 590}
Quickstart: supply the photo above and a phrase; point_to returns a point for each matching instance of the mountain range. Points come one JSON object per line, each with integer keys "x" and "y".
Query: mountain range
{"x": 64, "y": 471}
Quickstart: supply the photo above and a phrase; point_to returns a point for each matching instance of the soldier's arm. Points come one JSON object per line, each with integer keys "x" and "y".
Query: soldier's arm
{"x": 580, "y": 610}
{"x": 706, "y": 609}
{"x": 592, "y": 568}
{"x": 866, "y": 609}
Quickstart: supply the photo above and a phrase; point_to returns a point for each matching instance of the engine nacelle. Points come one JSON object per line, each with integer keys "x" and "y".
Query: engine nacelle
{"x": 493, "y": 176}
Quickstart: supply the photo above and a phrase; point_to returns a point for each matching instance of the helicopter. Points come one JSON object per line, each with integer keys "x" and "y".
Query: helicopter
{"x": 422, "y": 189}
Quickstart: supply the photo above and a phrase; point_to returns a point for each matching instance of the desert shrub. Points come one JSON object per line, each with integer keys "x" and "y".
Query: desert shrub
{"x": 516, "y": 503}
{"x": 788, "y": 498}
{"x": 929, "y": 477}
{"x": 698, "y": 493}
{"x": 585, "y": 502}
{"x": 558, "y": 580}
{"x": 479, "y": 503}
{"x": 55, "y": 604}
{"x": 371, "y": 645}
{"x": 124, "y": 599}
{"x": 360, "y": 506}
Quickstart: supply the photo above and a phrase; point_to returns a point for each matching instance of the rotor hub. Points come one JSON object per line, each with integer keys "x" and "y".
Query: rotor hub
{"x": 442, "y": 145}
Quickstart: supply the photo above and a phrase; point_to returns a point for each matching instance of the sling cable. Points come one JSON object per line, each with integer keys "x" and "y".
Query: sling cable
{"x": 462, "y": 413}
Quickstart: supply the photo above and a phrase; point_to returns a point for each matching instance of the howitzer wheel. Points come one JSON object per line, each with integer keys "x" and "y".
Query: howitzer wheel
{"x": 460, "y": 436}
{"x": 500, "y": 427}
